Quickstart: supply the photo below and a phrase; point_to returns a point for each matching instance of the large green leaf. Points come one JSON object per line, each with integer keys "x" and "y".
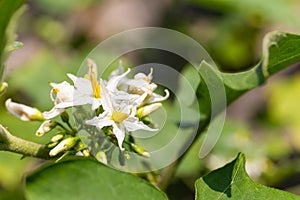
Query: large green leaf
{"x": 232, "y": 182}
{"x": 87, "y": 179}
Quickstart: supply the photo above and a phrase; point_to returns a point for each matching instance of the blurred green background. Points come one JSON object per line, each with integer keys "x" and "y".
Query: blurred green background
{"x": 264, "y": 124}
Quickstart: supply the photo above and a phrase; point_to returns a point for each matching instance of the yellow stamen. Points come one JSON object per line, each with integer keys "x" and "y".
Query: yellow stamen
{"x": 118, "y": 116}
{"x": 92, "y": 76}
{"x": 55, "y": 90}
{"x": 95, "y": 86}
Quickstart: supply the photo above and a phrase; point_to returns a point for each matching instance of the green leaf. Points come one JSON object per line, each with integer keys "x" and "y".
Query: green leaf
{"x": 232, "y": 182}
{"x": 280, "y": 50}
{"x": 7, "y": 35}
{"x": 87, "y": 179}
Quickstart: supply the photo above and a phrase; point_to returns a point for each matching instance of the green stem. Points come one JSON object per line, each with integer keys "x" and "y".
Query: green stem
{"x": 74, "y": 131}
{"x": 14, "y": 144}
{"x": 169, "y": 172}
{"x": 70, "y": 132}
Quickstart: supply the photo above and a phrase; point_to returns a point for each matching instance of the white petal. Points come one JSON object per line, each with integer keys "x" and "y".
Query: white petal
{"x": 133, "y": 124}
{"x": 81, "y": 99}
{"x": 72, "y": 77}
{"x": 95, "y": 103}
{"x": 105, "y": 97}
{"x": 82, "y": 85}
{"x": 113, "y": 82}
{"x": 122, "y": 96}
{"x": 53, "y": 113}
{"x": 138, "y": 101}
{"x": 156, "y": 97}
{"x": 140, "y": 76}
{"x": 64, "y": 104}
{"x": 120, "y": 135}
{"x": 100, "y": 122}
{"x": 136, "y": 82}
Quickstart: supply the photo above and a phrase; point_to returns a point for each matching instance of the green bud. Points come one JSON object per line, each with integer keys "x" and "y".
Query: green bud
{"x": 14, "y": 46}
{"x": 58, "y": 137}
{"x": 140, "y": 150}
{"x": 45, "y": 127}
{"x": 64, "y": 145}
{"x": 101, "y": 156}
{"x": 52, "y": 145}
{"x": 3, "y": 87}
{"x": 146, "y": 110}
{"x": 80, "y": 146}
{"x": 127, "y": 155}
{"x": 86, "y": 152}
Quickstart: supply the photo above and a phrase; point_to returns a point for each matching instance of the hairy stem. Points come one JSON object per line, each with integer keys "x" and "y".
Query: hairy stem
{"x": 11, "y": 143}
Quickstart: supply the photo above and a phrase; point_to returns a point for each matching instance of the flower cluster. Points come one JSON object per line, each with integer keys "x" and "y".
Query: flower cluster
{"x": 119, "y": 104}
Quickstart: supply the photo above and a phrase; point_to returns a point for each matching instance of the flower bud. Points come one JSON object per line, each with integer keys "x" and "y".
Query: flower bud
{"x": 64, "y": 145}
{"x": 58, "y": 137}
{"x": 101, "y": 156}
{"x": 3, "y": 87}
{"x": 52, "y": 145}
{"x": 140, "y": 150}
{"x": 146, "y": 110}
{"x": 23, "y": 112}
{"x": 45, "y": 127}
{"x": 86, "y": 152}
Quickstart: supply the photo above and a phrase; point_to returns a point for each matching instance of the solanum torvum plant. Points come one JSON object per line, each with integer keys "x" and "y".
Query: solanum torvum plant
{"x": 92, "y": 120}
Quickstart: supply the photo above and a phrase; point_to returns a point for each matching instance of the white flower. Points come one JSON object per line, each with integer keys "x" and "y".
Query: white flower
{"x": 120, "y": 114}
{"x": 22, "y": 111}
{"x": 87, "y": 89}
{"x": 140, "y": 84}
{"x": 64, "y": 98}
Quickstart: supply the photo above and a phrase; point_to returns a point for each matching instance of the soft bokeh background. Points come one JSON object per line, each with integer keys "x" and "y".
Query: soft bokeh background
{"x": 264, "y": 124}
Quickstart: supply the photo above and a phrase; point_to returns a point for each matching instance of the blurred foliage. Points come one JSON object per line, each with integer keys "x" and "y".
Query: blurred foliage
{"x": 56, "y": 39}
{"x": 231, "y": 30}
{"x": 60, "y": 8}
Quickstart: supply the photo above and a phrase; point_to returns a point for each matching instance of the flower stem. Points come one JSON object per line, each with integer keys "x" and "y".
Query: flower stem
{"x": 11, "y": 143}
{"x": 70, "y": 132}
